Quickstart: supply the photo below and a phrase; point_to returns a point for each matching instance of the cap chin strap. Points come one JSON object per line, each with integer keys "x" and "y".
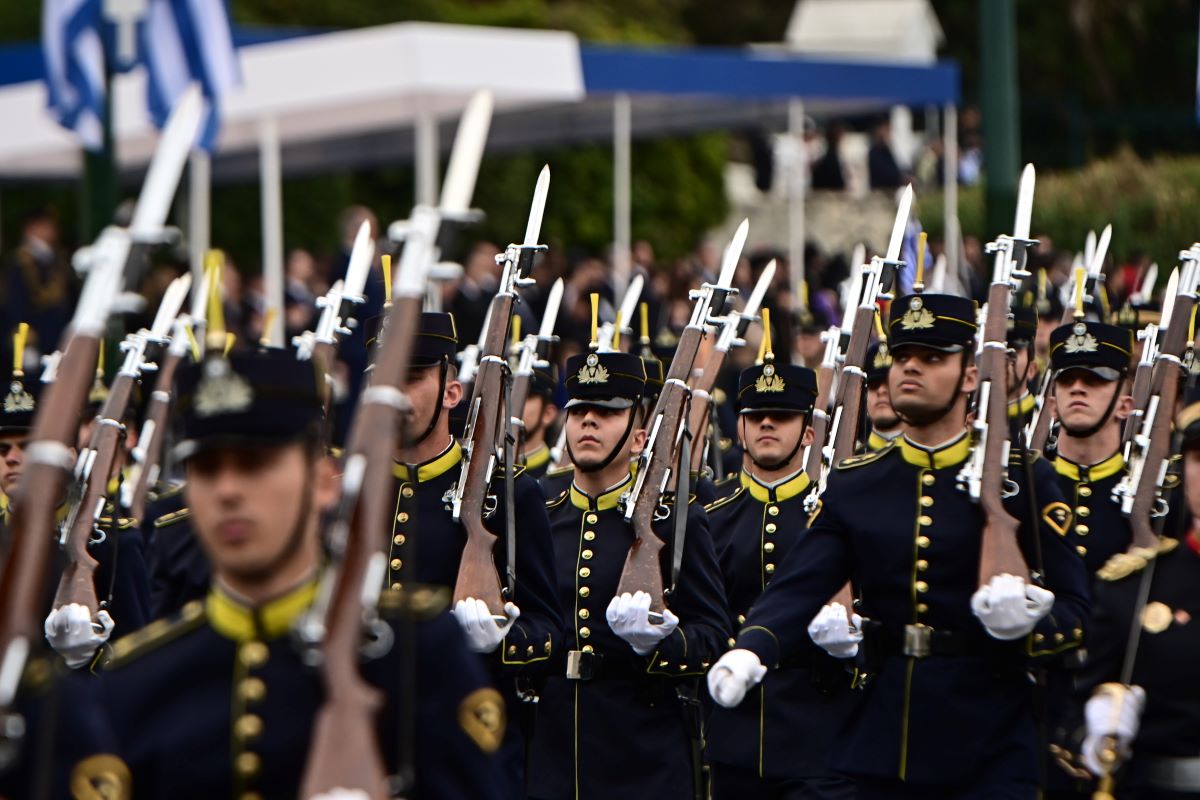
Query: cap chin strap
{"x": 1092, "y": 430}
{"x": 443, "y": 372}
{"x": 921, "y": 420}
{"x": 781, "y": 463}
{"x": 612, "y": 454}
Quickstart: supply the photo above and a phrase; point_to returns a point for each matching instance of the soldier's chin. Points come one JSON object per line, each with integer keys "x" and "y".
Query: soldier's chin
{"x": 918, "y": 412}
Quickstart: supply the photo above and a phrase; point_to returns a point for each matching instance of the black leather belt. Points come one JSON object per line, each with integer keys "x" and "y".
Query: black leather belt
{"x": 922, "y": 641}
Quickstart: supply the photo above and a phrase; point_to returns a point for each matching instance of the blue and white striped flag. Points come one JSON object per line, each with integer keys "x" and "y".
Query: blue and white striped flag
{"x": 74, "y": 56}
{"x": 184, "y": 41}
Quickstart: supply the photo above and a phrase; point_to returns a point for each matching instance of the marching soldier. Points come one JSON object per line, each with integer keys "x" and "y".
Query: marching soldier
{"x": 426, "y": 543}
{"x": 948, "y": 711}
{"x": 1150, "y": 601}
{"x": 217, "y": 701}
{"x": 777, "y": 744}
{"x": 539, "y": 416}
{"x": 611, "y": 721}
{"x": 1022, "y": 332}
{"x": 885, "y": 425}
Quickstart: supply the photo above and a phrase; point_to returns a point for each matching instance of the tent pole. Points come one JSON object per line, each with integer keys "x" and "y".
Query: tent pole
{"x": 797, "y": 188}
{"x": 425, "y": 146}
{"x": 270, "y": 175}
{"x": 622, "y": 192}
{"x": 951, "y": 233}
{"x": 199, "y": 213}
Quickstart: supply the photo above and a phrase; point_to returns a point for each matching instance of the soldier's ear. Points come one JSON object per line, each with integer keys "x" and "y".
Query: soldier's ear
{"x": 326, "y": 483}
{"x": 807, "y": 437}
{"x": 970, "y": 379}
{"x": 638, "y": 438}
{"x": 549, "y": 413}
{"x": 453, "y": 394}
{"x": 1124, "y": 406}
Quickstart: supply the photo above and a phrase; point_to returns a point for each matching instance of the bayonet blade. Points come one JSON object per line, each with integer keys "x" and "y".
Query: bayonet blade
{"x": 733, "y": 254}
{"x": 629, "y": 303}
{"x": 553, "y": 301}
{"x": 1096, "y": 265}
{"x": 1089, "y": 247}
{"x": 533, "y": 230}
{"x": 760, "y": 290}
{"x": 1024, "y": 203}
{"x": 169, "y": 307}
{"x": 1146, "y": 291}
{"x": 167, "y": 165}
{"x": 1169, "y": 300}
{"x": 360, "y": 262}
{"x": 898, "y": 227}
{"x": 469, "y": 141}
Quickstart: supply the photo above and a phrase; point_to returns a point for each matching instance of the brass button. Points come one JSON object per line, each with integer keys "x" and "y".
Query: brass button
{"x": 585, "y": 572}
{"x": 741, "y": 619}
{"x": 732, "y": 641}
{"x": 251, "y": 796}
{"x": 397, "y": 563}
{"x": 547, "y": 647}
{"x": 770, "y": 527}
{"x": 589, "y": 536}
{"x": 769, "y": 568}
{"x": 248, "y": 764}
{"x": 512, "y": 649}
{"x": 922, "y": 565}
{"x": 586, "y": 554}
{"x": 585, "y": 632}
{"x": 1082, "y": 511}
{"x": 252, "y": 690}
{"x": 1081, "y": 550}
{"x": 773, "y": 511}
{"x": 927, "y": 479}
{"x": 249, "y": 726}
{"x": 253, "y": 654}
{"x": 926, "y": 501}
{"x": 529, "y": 650}
{"x": 922, "y": 587}
{"x": 584, "y": 613}
{"x": 1082, "y": 530}
{"x": 922, "y": 608}
{"x": 397, "y": 586}
{"x": 584, "y": 591}
{"x": 590, "y": 518}
{"x": 402, "y": 516}
{"x": 398, "y": 539}
{"x": 925, "y": 519}
{"x": 1084, "y": 490}
{"x": 406, "y": 491}
{"x": 769, "y": 547}
{"x": 587, "y": 648}
{"x": 922, "y": 542}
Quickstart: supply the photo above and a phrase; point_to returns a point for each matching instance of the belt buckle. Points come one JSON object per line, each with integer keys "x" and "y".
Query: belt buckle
{"x": 917, "y": 639}
{"x": 580, "y": 665}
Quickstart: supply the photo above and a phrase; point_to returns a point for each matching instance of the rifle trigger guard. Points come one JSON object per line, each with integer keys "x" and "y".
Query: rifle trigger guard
{"x": 377, "y": 639}
{"x": 98, "y": 535}
{"x": 1010, "y": 489}
{"x": 661, "y": 511}
{"x": 490, "y": 504}
{"x": 1161, "y": 506}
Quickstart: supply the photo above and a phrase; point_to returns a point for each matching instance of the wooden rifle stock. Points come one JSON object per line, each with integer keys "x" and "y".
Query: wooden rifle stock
{"x": 477, "y": 576}
{"x": 850, "y": 387}
{"x": 820, "y": 422}
{"x": 156, "y": 412}
{"x": 999, "y": 551}
{"x": 698, "y": 415}
{"x": 1142, "y": 379}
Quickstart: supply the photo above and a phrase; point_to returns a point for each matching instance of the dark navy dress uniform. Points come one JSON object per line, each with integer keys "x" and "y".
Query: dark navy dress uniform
{"x": 218, "y": 703}
{"x": 1099, "y": 527}
{"x": 179, "y": 569}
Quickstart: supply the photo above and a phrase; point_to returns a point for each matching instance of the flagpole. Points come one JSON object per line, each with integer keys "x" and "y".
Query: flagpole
{"x": 99, "y": 190}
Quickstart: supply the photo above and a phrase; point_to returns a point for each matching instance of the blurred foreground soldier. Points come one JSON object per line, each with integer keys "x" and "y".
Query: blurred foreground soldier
{"x": 539, "y": 416}
{"x": 885, "y": 425}
{"x": 1157, "y": 717}
{"x": 777, "y": 744}
{"x": 217, "y": 702}
{"x": 1090, "y": 363}
{"x": 948, "y": 711}
{"x": 611, "y": 720}
{"x": 427, "y": 542}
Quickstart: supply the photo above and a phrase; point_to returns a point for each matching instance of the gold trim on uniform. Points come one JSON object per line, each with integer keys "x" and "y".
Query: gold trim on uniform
{"x": 234, "y": 620}
{"x": 538, "y": 457}
{"x": 946, "y": 455}
{"x": 482, "y": 716}
{"x": 1096, "y": 472}
{"x": 1058, "y": 516}
{"x": 1021, "y": 406}
{"x": 433, "y": 468}
{"x": 101, "y": 777}
{"x": 792, "y": 487}
{"x": 608, "y": 500}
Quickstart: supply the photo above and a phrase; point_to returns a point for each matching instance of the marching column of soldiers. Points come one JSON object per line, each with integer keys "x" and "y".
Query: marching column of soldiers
{"x": 932, "y": 568}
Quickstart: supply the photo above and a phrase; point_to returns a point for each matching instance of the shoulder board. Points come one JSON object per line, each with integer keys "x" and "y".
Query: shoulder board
{"x": 1122, "y": 565}
{"x": 1015, "y": 456}
{"x": 424, "y": 602}
{"x": 558, "y": 472}
{"x": 155, "y": 635}
{"x": 170, "y": 490}
{"x": 554, "y": 502}
{"x": 123, "y": 523}
{"x": 865, "y": 458}
{"x": 726, "y": 480}
{"x": 518, "y": 469}
{"x": 172, "y": 518}
{"x": 724, "y": 501}
{"x": 724, "y": 444}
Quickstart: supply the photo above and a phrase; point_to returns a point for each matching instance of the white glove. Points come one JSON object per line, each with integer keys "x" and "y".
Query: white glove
{"x": 343, "y": 794}
{"x": 629, "y": 617}
{"x": 1009, "y": 608}
{"x": 69, "y": 631}
{"x": 483, "y": 633}
{"x": 1111, "y": 711}
{"x": 734, "y": 674}
{"x": 834, "y": 632}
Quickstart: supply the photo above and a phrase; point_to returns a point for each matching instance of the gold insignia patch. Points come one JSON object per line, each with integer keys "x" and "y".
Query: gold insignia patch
{"x": 916, "y": 319}
{"x": 1156, "y": 617}
{"x": 883, "y": 358}
{"x": 1081, "y": 343}
{"x": 102, "y": 777}
{"x": 482, "y": 717}
{"x": 769, "y": 381}
{"x": 816, "y": 512}
{"x": 1058, "y": 516}
{"x": 17, "y": 399}
{"x": 221, "y": 391}
{"x": 592, "y": 371}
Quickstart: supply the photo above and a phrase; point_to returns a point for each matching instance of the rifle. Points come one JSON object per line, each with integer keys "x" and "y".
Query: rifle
{"x": 343, "y": 750}
{"x": 1150, "y": 345}
{"x": 985, "y": 473}
{"x": 732, "y": 331}
{"x": 610, "y": 331}
{"x": 534, "y": 352}
{"x": 1148, "y": 453}
{"x": 320, "y": 344}
{"x": 642, "y": 570}
{"x": 477, "y": 576}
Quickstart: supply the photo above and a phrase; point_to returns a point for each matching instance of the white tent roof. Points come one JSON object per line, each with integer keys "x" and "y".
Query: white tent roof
{"x": 905, "y": 31}
{"x": 335, "y": 85}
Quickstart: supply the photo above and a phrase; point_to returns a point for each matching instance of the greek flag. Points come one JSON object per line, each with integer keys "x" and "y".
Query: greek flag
{"x": 74, "y": 56}
{"x": 184, "y": 41}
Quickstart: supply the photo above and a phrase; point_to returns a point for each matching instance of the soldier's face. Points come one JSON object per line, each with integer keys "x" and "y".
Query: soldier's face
{"x": 422, "y": 390}
{"x": 593, "y": 432}
{"x": 1081, "y": 399}
{"x": 879, "y": 406}
{"x": 1018, "y": 372}
{"x": 538, "y": 413}
{"x": 770, "y": 436}
{"x": 922, "y": 380}
{"x": 12, "y": 459}
{"x": 247, "y": 505}
{"x": 1191, "y": 479}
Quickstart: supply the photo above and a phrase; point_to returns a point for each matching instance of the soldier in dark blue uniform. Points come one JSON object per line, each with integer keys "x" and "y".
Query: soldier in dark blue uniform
{"x": 948, "y": 710}
{"x": 611, "y": 721}
{"x": 778, "y": 743}
{"x": 1153, "y": 594}
{"x": 426, "y": 542}
{"x": 885, "y": 425}
{"x": 217, "y": 701}
{"x": 1022, "y": 331}
{"x": 539, "y": 415}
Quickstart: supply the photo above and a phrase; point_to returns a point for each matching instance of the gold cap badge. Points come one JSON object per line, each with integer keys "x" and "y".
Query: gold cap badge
{"x": 17, "y": 399}
{"x": 918, "y": 317}
{"x": 592, "y": 371}
{"x": 1081, "y": 341}
{"x": 222, "y": 391}
{"x": 769, "y": 381}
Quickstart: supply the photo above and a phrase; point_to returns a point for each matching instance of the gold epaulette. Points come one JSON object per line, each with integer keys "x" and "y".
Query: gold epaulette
{"x": 123, "y": 523}
{"x": 733, "y": 476}
{"x": 155, "y": 635}
{"x": 866, "y": 458}
{"x": 558, "y": 472}
{"x": 724, "y": 443}
{"x": 724, "y": 501}
{"x": 555, "y": 502}
{"x": 171, "y": 490}
{"x": 1122, "y": 565}
{"x": 172, "y": 518}
{"x": 518, "y": 469}
{"x": 424, "y": 602}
